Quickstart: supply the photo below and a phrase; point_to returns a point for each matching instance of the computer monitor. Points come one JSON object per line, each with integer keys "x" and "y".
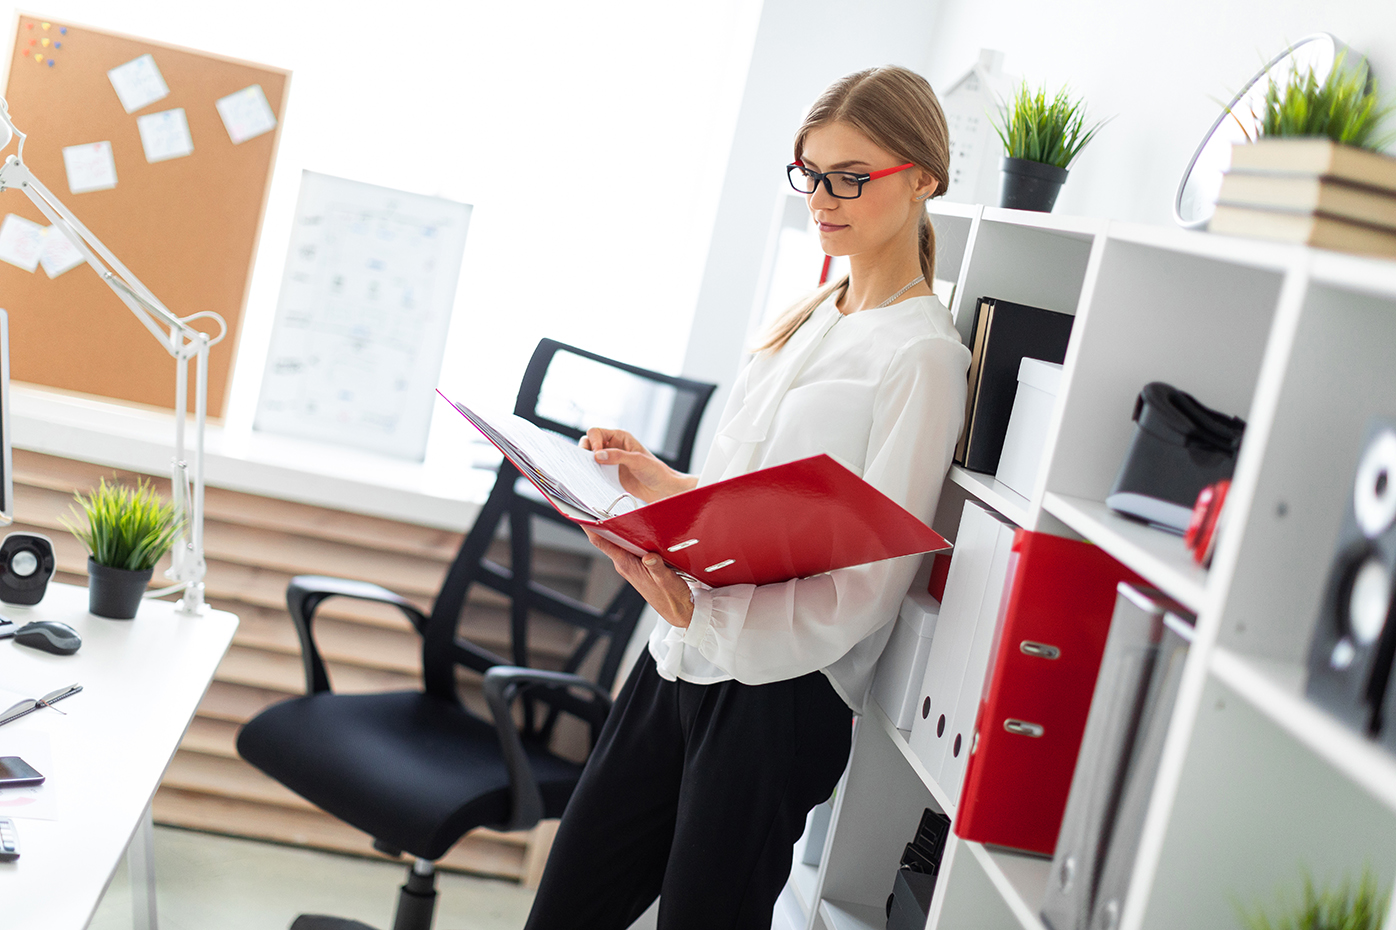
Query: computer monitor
{"x": 7, "y": 481}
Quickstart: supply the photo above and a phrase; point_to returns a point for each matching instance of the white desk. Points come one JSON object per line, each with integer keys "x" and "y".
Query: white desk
{"x": 142, "y": 680}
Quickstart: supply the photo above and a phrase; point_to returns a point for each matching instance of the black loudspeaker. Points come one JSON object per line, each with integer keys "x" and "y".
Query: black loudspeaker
{"x": 1350, "y": 654}
{"x": 26, "y": 565}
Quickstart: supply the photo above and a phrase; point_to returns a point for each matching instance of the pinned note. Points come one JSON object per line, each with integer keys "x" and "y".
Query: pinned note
{"x": 90, "y": 167}
{"x": 57, "y": 254}
{"x": 20, "y": 242}
{"x": 165, "y": 135}
{"x": 138, "y": 83}
{"x": 246, "y": 114}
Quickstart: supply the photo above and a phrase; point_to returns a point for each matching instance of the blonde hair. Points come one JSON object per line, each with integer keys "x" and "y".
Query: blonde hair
{"x": 897, "y": 110}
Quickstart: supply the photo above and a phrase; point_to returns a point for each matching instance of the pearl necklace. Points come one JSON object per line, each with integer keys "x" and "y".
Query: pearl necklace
{"x": 888, "y": 302}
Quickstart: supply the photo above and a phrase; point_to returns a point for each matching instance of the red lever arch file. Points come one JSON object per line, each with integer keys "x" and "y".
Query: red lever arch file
{"x": 1032, "y": 714}
{"x": 789, "y": 521}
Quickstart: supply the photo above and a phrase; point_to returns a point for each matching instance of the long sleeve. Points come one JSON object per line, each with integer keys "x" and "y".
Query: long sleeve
{"x": 766, "y": 633}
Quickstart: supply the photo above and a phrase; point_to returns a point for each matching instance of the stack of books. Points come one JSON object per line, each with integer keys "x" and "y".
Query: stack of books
{"x": 1312, "y": 191}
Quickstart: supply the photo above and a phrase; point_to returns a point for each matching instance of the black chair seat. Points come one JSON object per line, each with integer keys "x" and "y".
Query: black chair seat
{"x": 411, "y": 770}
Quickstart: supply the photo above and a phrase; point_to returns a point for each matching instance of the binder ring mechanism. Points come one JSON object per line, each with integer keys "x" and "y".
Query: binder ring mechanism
{"x": 1023, "y": 728}
{"x": 693, "y": 542}
{"x": 1040, "y": 650}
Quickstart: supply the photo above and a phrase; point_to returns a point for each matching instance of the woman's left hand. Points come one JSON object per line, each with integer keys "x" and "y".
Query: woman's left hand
{"x": 660, "y": 586}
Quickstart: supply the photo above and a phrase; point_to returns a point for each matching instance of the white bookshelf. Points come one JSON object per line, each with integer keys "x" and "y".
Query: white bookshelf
{"x": 1256, "y": 784}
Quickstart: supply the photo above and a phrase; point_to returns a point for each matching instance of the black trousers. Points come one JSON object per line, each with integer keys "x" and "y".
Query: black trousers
{"x": 697, "y": 794}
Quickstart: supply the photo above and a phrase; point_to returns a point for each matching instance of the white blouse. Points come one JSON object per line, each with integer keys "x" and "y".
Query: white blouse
{"x": 883, "y": 392}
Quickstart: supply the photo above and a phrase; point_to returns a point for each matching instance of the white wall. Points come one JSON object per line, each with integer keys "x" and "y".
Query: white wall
{"x": 1161, "y": 70}
{"x": 590, "y": 138}
{"x": 801, "y": 47}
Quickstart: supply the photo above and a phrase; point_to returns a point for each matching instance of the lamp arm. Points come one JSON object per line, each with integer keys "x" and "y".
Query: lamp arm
{"x": 136, "y": 296}
{"x": 182, "y": 341}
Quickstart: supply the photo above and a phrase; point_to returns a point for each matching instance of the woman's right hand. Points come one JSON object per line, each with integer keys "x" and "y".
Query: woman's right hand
{"x": 641, "y": 473}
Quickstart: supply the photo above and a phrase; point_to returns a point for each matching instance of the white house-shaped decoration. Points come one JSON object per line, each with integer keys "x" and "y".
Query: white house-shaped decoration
{"x": 975, "y": 148}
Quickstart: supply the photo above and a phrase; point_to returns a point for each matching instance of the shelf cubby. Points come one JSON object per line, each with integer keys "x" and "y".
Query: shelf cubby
{"x": 1329, "y": 373}
{"x": 952, "y": 231}
{"x": 1276, "y": 690}
{"x": 879, "y": 804}
{"x": 1043, "y": 266}
{"x": 1154, "y": 314}
{"x": 988, "y": 889}
{"x": 1254, "y": 810}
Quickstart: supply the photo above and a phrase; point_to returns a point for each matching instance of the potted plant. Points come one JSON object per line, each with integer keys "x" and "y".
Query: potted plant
{"x": 1311, "y": 171}
{"x": 127, "y": 531}
{"x": 1041, "y": 138}
{"x": 1345, "y": 908}
{"x": 1345, "y": 107}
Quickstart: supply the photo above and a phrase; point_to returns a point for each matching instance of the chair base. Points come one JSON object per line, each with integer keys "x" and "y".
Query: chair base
{"x": 321, "y": 922}
{"x": 416, "y": 905}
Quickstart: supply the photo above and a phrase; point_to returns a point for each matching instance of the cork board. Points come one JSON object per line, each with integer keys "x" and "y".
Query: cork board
{"x": 185, "y": 225}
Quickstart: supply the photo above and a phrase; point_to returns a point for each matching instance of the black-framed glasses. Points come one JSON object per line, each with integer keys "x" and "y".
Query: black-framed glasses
{"x": 29, "y": 705}
{"x": 845, "y": 185}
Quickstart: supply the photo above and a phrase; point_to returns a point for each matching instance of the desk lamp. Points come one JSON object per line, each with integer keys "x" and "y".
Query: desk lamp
{"x": 179, "y": 338}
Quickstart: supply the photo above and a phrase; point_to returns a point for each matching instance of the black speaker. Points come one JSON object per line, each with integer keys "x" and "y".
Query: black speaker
{"x": 26, "y": 565}
{"x": 1350, "y": 654}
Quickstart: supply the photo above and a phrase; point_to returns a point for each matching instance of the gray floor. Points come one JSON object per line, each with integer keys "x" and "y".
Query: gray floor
{"x": 210, "y": 882}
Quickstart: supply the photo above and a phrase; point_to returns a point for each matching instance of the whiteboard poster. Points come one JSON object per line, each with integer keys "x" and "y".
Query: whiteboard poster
{"x": 361, "y": 322}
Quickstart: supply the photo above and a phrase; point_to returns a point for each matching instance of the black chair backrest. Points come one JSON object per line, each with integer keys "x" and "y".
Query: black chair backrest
{"x": 565, "y": 389}
{"x": 662, "y": 411}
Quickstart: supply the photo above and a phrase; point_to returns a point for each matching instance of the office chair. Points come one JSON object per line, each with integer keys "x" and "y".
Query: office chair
{"x": 416, "y": 770}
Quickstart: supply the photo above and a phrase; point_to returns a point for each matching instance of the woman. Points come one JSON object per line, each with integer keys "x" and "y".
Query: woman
{"x": 737, "y": 720}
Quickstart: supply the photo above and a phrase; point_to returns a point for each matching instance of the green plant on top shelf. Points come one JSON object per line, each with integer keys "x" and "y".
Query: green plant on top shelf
{"x": 1052, "y": 131}
{"x": 128, "y": 528}
{"x": 1345, "y": 107}
{"x": 1345, "y": 908}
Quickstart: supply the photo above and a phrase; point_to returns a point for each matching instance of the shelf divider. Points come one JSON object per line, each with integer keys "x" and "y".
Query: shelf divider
{"x": 1020, "y": 878}
{"x": 845, "y": 915}
{"x": 995, "y": 493}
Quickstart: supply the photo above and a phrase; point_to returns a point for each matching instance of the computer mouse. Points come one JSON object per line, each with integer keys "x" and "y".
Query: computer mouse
{"x": 49, "y": 636}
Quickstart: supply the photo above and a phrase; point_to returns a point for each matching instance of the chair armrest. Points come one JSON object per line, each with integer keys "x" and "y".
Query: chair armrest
{"x": 304, "y": 595}
{"x": 502, "y": 685}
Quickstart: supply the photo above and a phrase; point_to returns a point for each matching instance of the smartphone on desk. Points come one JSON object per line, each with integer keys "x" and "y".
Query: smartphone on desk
{"x": 14, "y": 772}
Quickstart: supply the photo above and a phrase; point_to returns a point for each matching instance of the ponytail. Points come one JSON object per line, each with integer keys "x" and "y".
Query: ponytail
{"x": 926, "y": 239}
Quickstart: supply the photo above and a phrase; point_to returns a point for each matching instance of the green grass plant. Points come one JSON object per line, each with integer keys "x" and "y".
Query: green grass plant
{"x": 1344, "y": 107}
{"x": 1348, "y": 907}
{"x": 1052, "y": 131}
{"x": 128, "y": 528}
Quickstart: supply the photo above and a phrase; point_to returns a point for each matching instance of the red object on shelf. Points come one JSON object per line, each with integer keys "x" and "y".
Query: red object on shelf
{"x": 1206, "y": 518}
{"x": 1032, "y": 715}
{"x": 940, "y": 570}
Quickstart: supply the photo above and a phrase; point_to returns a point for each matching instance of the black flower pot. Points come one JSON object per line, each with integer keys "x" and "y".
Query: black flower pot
{"x": 1029, "y": 185}
{"x": 115, "y": 593}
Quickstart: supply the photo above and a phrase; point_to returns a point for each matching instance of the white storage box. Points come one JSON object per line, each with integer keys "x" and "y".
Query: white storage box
{"x": 903, "y": 664}
{"x": 1027, "y": 424}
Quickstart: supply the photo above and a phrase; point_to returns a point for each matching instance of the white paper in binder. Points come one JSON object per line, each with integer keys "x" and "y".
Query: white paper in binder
{"x": 975, "y": 663}
{"x": 959, "y": 613}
